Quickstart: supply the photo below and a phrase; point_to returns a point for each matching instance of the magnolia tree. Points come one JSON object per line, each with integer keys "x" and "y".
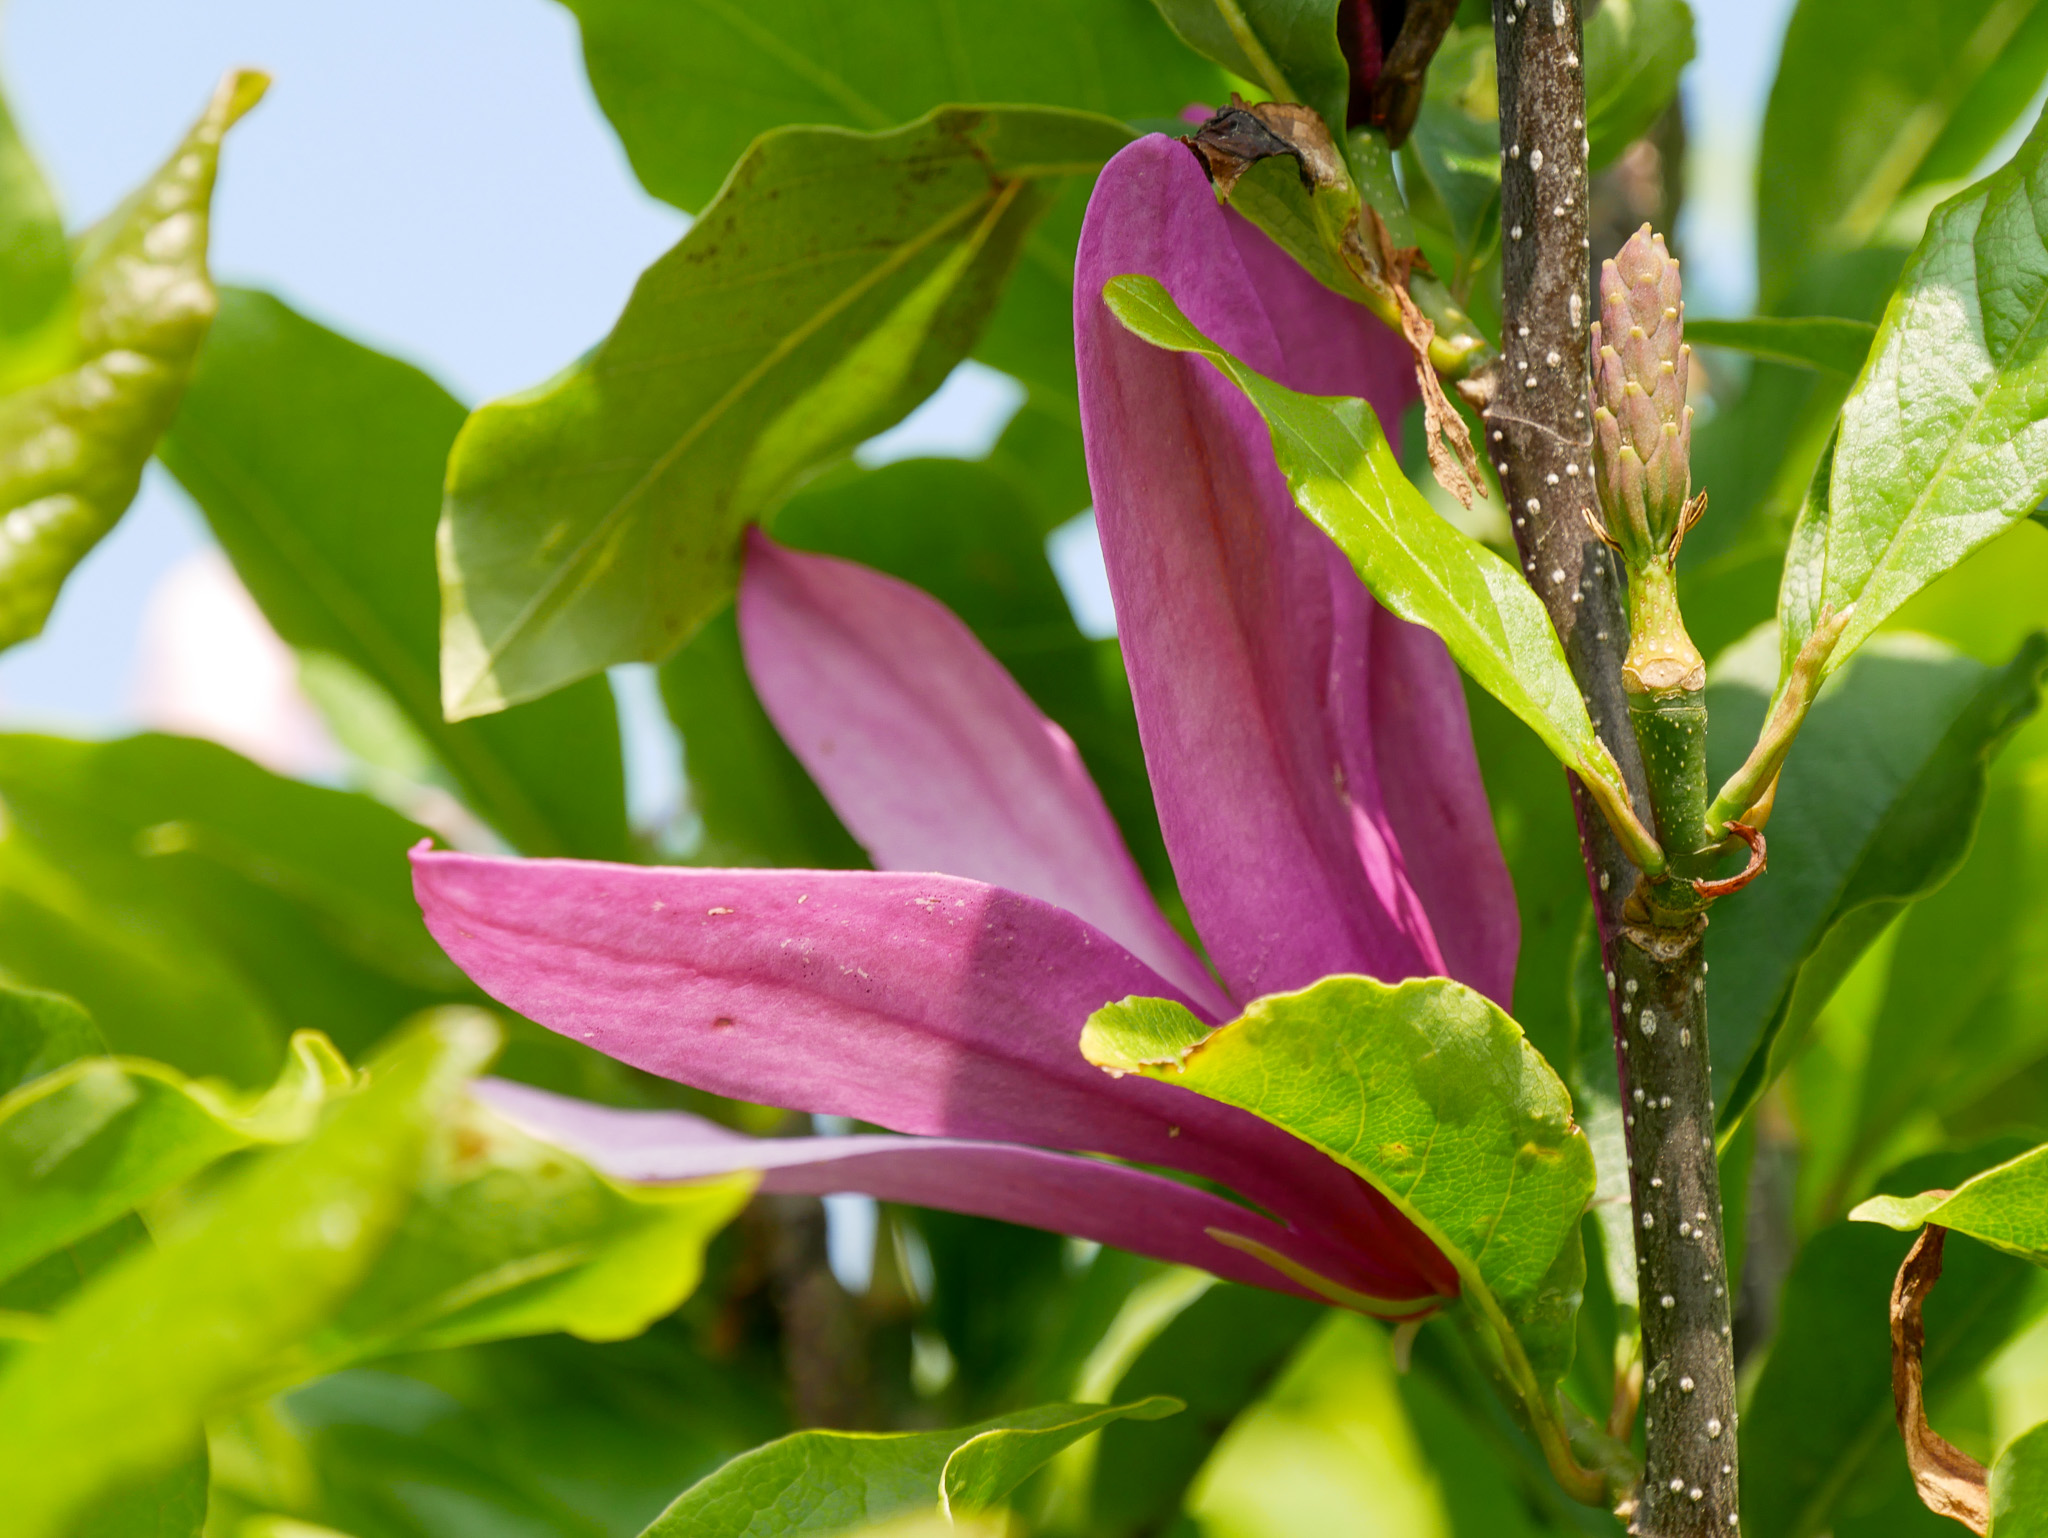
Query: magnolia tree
{"x": 1281, "y": 1039}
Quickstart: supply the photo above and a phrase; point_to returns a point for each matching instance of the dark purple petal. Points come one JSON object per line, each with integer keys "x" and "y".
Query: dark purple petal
{"x": 925, "y": 1004}
{"x": 1092, "y": 1198}
{"x": 933, "y": 756}
{"x": 1268, "y": 685}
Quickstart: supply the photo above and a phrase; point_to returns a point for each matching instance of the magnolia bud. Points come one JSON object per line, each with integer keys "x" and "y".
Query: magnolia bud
{"x": 1642, "y": 427}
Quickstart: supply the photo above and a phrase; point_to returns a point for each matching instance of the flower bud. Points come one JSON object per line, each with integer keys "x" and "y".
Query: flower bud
{"x": 1642, "y": 427}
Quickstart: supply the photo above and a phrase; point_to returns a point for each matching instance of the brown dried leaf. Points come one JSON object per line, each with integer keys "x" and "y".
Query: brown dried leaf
{"x": 1950, "y": 1481}
{"x": 1449, "y": 441}
{"x": 1241, "y": 135}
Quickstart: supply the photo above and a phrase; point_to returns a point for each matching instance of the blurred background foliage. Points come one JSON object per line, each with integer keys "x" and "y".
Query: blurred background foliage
{"x": 553, "y": 1367}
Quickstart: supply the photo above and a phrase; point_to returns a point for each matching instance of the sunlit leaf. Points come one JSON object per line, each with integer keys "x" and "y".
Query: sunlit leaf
{"x": 2005, "y": 1207}
{"x": 41, "y": 1032}
{"x": 2019, "y": 1487}
{"x": 834, "y": 283}
{"x": 412, "y": 1219}
{"x": 1818, "y": 1434}
{"x": 1220, "y": 1354}
{"x": 325, "y": 495}
{"x": 1287, "y": 48}
{"x": 72, "y": 445}
{"x": 101, "y": 1135}
{"x": 829, "y": 1482}
{"x": 1944, "y": 441}
{"x": 133, "y": 1364}
{"x": 35, "y": 265}
{"x": 1876, "y": 807}
{"x": 1429, "y": 1093}
{"x": 1344, "y": 476}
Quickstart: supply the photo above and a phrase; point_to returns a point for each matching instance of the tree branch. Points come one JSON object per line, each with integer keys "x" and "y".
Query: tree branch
{"x": 1538, "y": 433}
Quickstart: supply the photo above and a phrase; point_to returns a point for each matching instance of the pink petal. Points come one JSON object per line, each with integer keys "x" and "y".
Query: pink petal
{"x": 1268, "y": 685}
{"x": 925, "y": 1004}
{"x": 1092, "y": 1198}
{"x": 932, "y": 755}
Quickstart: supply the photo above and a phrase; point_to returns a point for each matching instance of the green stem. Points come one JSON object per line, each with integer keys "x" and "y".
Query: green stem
{"x": 1748, "y": 785}
{"x": 1666, "y": 682}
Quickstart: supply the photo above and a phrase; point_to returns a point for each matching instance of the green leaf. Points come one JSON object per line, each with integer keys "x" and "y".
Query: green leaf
{"x": 834, "y": 283}
{"x": 1871, "y": 98}
{"x": 1287, "y": 48}
{"x": 1344, "y": 476}
{"x": 41, "y": 1032}
{"x": 689, "y": 84}
{"x": 2019, "y": 1487}
{"x": 259, "y": 904}
{"x": 1805, "y": 341}
{"x": 102, "y": 1135}
{"x": 828, "y": 1482}
{"x": 1962, "y": 1011}
{"x": 1819, "y": 1430}
{"x": 325, "y": 495}
{"x": 507, "y": 1236}
{"x": 413, "y": 1219}
{"x": 1942, "y": 445}
{"x": 1329, "y": 1450}
{"x": 72, "y": 446}
{"x": 1219, "y": 1355}
{"x": 1428, "y": 1092}
{"x": 1453, "y": 156}
{"x": 2005, "y": 1207}
{"x": 140, "y": 1357}
{"x": 1876, "y": 807}
{"x": 1635, "y": 52}
{"x": 545, "y": 1435}
{"x": 35, "y": 266}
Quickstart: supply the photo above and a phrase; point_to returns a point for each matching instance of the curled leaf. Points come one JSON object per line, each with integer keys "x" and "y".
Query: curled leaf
{"x": 1444, "y": 434}
{"x": 1242, "y": 134}
{"x": 1357, "y": 251}
{"x": 1951, "y": 1483}
{"x": 72, "y": 445}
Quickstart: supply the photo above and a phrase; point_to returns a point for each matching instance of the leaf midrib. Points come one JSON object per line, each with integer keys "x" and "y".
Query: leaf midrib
{"x": 544, "y": 599}
{"x": 1948, "y": 458}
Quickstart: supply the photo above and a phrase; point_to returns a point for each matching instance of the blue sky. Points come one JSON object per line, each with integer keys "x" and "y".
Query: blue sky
{"x": 434, "y": 178}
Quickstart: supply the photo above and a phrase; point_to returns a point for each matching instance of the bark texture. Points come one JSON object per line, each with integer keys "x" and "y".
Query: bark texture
{"x": 1539, "y": 436}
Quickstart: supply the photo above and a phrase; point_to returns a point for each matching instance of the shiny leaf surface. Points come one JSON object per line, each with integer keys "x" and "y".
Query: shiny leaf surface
{"x": 598, "y": 518}
{"x": 2006, "y": 1207}
{"x": 1287, "y": 48}
{"x": 1344, "y": 476}
{"x": 98, "y": 1137}
{"x": 1427, "y": 1091}
{"x": 1943, "y": 443}
{"x": 828, "y": 1482}
{"x": 72, "y": 446}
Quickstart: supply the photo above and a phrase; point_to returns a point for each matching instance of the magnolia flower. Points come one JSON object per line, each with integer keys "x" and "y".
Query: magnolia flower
{"x": 1316, "y": 785}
